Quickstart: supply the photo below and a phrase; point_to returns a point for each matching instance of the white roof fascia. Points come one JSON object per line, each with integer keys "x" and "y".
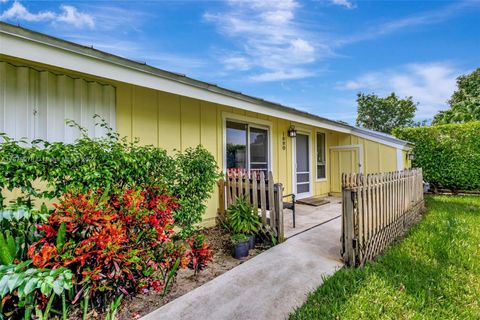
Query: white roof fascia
{"x": 28, "y": 49}
{"x": 402, "y": 146}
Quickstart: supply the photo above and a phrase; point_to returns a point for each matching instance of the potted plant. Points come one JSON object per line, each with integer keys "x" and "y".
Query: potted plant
{"x": 240, "y": 245}
{"x": 242, "y": 218}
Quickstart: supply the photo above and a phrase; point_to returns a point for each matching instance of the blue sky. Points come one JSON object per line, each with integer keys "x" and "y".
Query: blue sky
{"x": 311, "y": 55}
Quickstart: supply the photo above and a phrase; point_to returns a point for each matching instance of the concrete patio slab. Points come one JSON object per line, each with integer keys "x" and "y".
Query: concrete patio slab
{"x": 309, "y": 216}
{"x": 268, "y": 286}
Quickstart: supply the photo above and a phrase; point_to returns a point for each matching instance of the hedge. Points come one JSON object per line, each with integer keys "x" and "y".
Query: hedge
{"x": 449, "y": 154}
{"x": 108, "y": 163}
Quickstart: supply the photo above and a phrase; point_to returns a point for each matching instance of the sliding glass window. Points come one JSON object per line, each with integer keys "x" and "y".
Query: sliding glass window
{"x": 236, "y": 145}
{"x": 247, "y": 146}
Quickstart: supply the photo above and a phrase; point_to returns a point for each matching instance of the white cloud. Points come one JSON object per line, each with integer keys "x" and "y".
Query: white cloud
{"x": 18, "y": 11}
{"x": 117, "y": 19}
{"x": 268, "y": 39}
{"x": 271, "y": 40}
{"x": 408, "y": 22}
{"x": 430, "y": 84}
{"x": 70, "y": 15}
{"x": 301, "y": 47}
{"x": 67, "y": 15}
{"x": 282, "y": 75}
{"x": 236, "y": 63}
{"x": 344, "y": 3}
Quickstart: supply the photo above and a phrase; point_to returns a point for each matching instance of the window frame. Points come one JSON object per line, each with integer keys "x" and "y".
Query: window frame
{"x": 250, "y": 122}
{"x": 317, "y": 133}
{"x": 249, "y": 155}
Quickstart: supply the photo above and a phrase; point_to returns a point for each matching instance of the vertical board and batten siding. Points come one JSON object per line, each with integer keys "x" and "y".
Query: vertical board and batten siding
{"x": 175, "y": 122}
{"x": 165, "y": 120}
{"x": 171, "y": 122}
{"x": 377, "y": 157}
{"x": 34, "y": 104}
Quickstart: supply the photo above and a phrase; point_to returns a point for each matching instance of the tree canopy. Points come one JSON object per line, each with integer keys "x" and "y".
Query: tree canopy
{"x": 464, "y": 103}
{"x": 385, "y": 114}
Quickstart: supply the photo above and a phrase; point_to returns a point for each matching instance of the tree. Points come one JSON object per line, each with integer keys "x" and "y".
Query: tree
{"x": 385, "y": 114}
{"x": 464, "y": 103}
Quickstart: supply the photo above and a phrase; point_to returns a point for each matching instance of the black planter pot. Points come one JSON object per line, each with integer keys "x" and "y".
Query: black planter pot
{"x": 251, "y": 241}
{"x": 240, "y": 249}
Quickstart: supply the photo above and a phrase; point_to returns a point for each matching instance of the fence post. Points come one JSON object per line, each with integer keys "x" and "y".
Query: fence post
{"x": 271, "y": 201}
{"x": 221, "y": 197}
{"x": 263, "y": 198}
{"x": 278, "y": 192}
{"x": 349, "y": 231}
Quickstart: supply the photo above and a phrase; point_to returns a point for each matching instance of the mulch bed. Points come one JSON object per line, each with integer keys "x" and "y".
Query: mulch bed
{"x": 186, "y": 281}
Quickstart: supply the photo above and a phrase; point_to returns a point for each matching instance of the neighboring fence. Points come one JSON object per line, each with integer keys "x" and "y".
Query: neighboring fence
{"x": 260, "y": 190}
{"x": 377, "y": 209}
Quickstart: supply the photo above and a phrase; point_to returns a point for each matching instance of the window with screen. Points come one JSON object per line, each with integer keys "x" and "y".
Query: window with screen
{"x": 321, "y": 158}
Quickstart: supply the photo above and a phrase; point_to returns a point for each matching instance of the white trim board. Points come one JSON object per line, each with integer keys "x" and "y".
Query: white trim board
{"x": 399, "y": 160}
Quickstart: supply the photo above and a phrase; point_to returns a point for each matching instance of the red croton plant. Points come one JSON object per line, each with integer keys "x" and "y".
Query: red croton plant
{"x": 122, "y": 242}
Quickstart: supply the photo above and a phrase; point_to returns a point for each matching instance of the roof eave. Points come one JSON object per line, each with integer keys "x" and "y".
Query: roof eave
{"x": 179, "y": 78}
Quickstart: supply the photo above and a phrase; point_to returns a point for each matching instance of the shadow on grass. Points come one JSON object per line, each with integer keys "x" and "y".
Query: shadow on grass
{"x": 424, "y": 275}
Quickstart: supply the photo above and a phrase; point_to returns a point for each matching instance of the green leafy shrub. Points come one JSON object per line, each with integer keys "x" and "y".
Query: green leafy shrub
{"x": 197, "y": 173}
{"x": 242, "y": 217}
{"x": 24, "y": 290}
{"x": 237, "y": 238}
{"x": 108, "y": 163}
{"x": 18, "y": 231}
{"x": 87, "y": 164}
{"x": 448, "y": 154}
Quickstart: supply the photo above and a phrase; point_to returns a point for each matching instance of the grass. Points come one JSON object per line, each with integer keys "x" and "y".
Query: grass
{"x": 434, "y": 273}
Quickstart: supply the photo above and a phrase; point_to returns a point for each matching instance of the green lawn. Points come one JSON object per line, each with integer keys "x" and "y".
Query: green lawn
{"x": 434, "y": 273}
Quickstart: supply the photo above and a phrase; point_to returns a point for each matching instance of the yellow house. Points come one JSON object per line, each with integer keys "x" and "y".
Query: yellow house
{"x": 45, "y": 80}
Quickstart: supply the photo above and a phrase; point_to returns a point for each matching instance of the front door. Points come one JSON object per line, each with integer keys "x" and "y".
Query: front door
{"x": 342, "y": 160}
{"x": 302, "y": 166}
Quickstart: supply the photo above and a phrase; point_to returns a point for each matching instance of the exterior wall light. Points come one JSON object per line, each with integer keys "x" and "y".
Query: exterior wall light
{"x": 410, "y": 156}
{"x": 292, "y": 133}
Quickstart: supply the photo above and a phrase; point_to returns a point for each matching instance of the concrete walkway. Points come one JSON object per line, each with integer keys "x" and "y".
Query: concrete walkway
{"x": 268, "y": 286}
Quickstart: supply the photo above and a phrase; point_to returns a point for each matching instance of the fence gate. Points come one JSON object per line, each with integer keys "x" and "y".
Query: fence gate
{"x": 260, "y": 190}
{"x": 377, "y": 209}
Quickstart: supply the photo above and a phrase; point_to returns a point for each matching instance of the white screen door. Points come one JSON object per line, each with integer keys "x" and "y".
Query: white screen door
{"x": 302, "y": 158}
